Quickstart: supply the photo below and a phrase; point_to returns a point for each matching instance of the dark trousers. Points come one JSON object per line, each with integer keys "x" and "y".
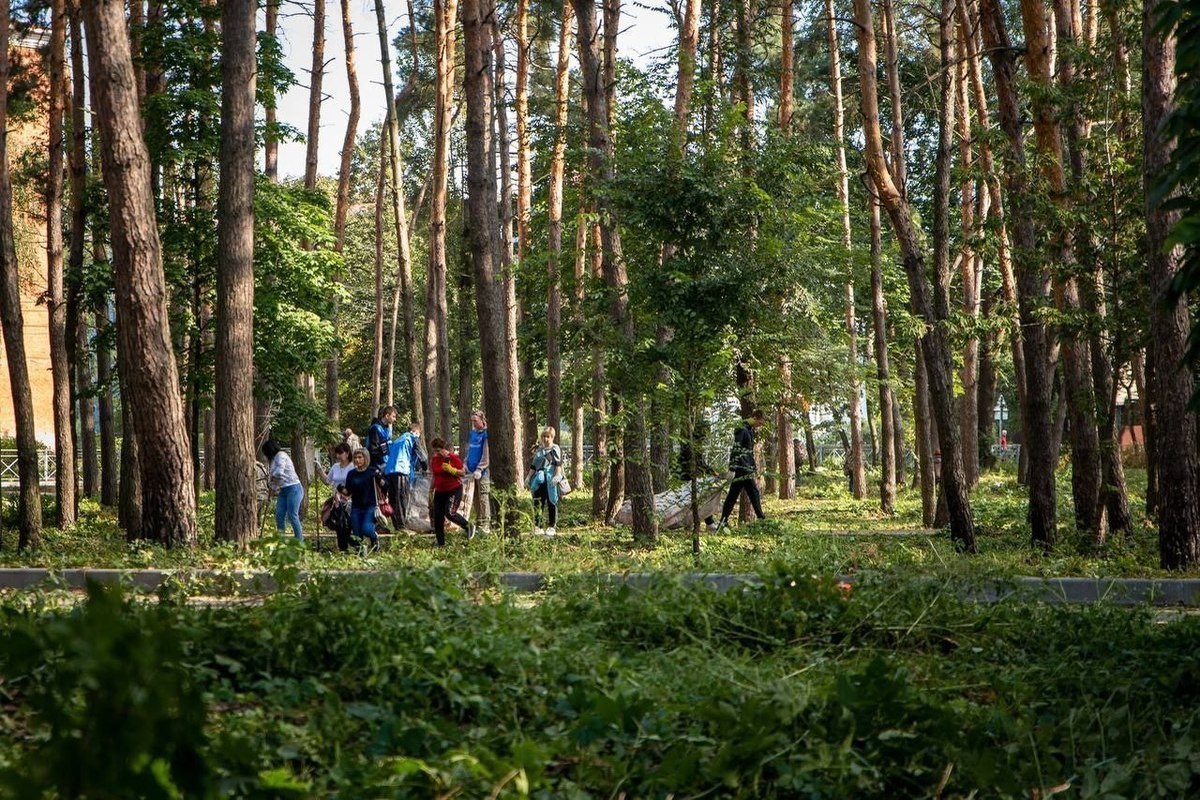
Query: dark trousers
{"x": 541, "y": 499}
{"x": 742, "y": 483}
{"x": 397, "y": 494}
{"x": 445, "y": 506}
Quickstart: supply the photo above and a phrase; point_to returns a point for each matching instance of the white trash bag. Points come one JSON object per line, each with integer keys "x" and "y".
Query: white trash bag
{"x": 674, "y": 508}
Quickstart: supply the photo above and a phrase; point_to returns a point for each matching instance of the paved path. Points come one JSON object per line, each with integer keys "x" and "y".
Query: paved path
{"x": 1159, "y": 592}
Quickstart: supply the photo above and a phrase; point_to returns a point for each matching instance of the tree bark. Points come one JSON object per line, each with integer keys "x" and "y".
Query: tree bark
{"x": 270, "y": 134}
{"x": 1040, "y": 38}
{"x": 497, "y": 374}
{"x": 1171, "y": 382}
{"x": 887, "y": 478}
{"x": 29, "y": 507}
{"x": 858, "y": 477}
{"x": 787, "y": 68}
{"x": 236, "y": 501}
{"x": 64, "y": 439}
{"x": 403, "y": 248}
{"x": 377, "y": 355}
{"x": 634, "y": 455}
{"x": 934, "y": 310}
{"x": 316, "y": 77}
{"x": 436, "y": 409}
{"x": 516, "y": 370}
{"x": 77, "y": 161}
{"x": 554, "y": 232}
{"x": 1033, "y": 286}
{"x": 970, "y": 262}
{"x": 333, "y": 408}
{"x": 169, "y": 508}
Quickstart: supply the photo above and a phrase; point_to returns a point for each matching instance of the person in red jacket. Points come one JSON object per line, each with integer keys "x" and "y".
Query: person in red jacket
{"x": 447, "y": 470}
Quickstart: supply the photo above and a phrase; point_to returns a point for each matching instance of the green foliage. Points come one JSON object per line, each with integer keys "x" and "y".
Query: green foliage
{"x": 797, "y": 687}
{"x": 119, "y": 711}
{"x": 294, "y": 290}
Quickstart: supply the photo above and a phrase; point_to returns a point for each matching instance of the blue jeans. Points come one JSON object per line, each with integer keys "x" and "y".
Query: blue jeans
{"x": 287, "y": 508}
{"x": 362, "y": 521}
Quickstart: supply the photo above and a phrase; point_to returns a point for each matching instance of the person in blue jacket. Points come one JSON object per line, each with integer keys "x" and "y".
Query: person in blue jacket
{"x": 404, "y": 457}
{"x": 379, "y": 436}
{"x": 478, "y": 461}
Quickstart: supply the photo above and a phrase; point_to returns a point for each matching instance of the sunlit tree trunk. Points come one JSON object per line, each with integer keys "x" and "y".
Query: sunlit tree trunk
{"x": 436, "y": 395}
{"x": 1033, "y": 284}
{"x": 341, "y": 211}
{"x": 270, "y": 134}
{"x": 577, "y": 419}
{"x": 1171, "y": 383}
{"x": 400, "y": 222}
{"x": 78, "y": 169}
{"x": 377, "y": 355}
{"x": 497, "y": 373}
{"x": 1080, "y": 398}
{"x": 60, "y": 369}
{"x": 236, "y": 501}
{"x": 29, "y": 508}
{"x": 153, "y": 400}
{"x": 554, "y": 231}
{"x": 635, "y": 456}
{"x": 969, "y": 263}
{"x": 858, "y": 476}
{"x": 933, "y": 310}
{"x": 887, "y": 477}
{"x": 785, "y": 453}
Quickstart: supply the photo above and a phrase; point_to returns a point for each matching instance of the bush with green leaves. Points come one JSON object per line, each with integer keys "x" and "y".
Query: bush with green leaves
{"x": 418, "y": 687}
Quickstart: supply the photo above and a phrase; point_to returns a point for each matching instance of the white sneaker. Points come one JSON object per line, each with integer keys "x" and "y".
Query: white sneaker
{"x": 550, "y": 531}
{"x": 538, "y": 532}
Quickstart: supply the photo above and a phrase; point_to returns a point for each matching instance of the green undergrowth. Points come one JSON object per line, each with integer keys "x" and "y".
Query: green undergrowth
{"x": 824, "y": 530}
{"x": 416, "y": 687}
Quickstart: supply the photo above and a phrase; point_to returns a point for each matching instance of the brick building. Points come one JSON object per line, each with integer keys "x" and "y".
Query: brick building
{"x": 27, "y": 135}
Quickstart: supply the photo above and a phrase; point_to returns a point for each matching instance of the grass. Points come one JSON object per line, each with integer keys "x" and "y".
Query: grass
{"x": 824, "y": 530}
{"x": 417, "y": 687}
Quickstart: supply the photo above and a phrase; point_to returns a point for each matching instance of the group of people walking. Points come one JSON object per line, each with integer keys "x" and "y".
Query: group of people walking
{"x": 373, "y": 479}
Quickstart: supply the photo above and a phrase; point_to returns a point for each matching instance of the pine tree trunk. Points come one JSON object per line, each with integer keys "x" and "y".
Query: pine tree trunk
{"x": 554, "y": 231}
{"x": 333, "y": 408}
{"x": 104, "y": 412}
{"x": 577, "y": 400}
{"x": 923, "y": 431}
{"x": 436, "y": 396}
{"x": 29, "y": 508}
{"x": 403, "y": 249}
{"x": 169, "y": 501}
{"x": 316, "y": 77}
{"x": 78, "y": 169}
{"x": 933, "y": 310}
{"x": 1033, "y": 286}
{"x": 1080, "y": 396}
{"x": 64, "y": 440}
{"x": 634, "y": 455}
{"x": 887, "y": 478}
{"x": 236, "y": 501}
{"x": 377, "y": 355}
{"x": 970, "y": 264}
{"x": 270, "y": 134}
{"x": 497, "y": 374}
{"x": 858, "y": 476}
{"x": 1170, "y": 383}
{"x": 516, "y": 370}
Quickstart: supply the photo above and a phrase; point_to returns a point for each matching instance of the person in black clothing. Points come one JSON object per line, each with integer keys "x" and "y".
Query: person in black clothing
{"x": 741, "y": 461}
{"x": 700, "y": 469}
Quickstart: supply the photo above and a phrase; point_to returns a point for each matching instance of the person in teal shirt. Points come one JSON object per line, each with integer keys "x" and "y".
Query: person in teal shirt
{"x": 404, "y": 455}
{"x": 477, "y": 462}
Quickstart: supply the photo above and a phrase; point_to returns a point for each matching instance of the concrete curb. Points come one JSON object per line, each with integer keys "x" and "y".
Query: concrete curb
{"x": 1164, "y": 592}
